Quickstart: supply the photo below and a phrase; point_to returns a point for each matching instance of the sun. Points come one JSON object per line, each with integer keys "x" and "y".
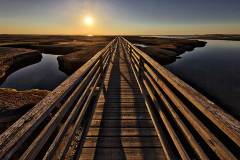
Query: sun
{"x": 88, "y": 21}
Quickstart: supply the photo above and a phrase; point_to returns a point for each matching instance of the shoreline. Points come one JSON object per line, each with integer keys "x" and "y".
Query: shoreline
{"x": 13, "y": 59}
{"x": 165, "y": 50}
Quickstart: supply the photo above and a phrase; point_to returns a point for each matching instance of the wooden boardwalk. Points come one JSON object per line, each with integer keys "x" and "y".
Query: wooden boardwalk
{"x": 121, "y": 127}
{"x": 120, "y": 105}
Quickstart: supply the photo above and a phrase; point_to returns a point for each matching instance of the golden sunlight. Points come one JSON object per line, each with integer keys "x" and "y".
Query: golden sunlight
{"x": 88, "y": 21}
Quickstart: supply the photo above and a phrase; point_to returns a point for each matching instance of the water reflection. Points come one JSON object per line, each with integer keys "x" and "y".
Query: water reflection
{"x": 42, "y": 75}
{"x": 213, "y": 70}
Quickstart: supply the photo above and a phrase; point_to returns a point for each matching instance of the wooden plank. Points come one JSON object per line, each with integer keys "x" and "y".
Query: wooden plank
{"x": 121, "y": 72}
{"x": 108, "y": 79}
{"x": 119, "y": 115}
{"x": 122, "y": 96}
{"x": 123, "y": 92}
{"x": 121, "y": 84}
{"x": 122, "y": 123}
{"x": 127, "y": 78}
{"x": 121, "y": 119}
{"x": 120, "y": 132}
{"x": 122, "y": 153}
{"x": 121, "y": 105}
{"x": 129, "y": 142}
{"x": 122, "y": 110}
{"x": 117, "y": 81}
{"x": 135, "y": 89}
{"x": 118, "y": 88}
{"x": 121, "y": 100}
{"x": 160, "y": 132}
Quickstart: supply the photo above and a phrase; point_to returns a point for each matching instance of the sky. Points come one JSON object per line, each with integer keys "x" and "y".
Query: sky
{"x": 120, "y": 17}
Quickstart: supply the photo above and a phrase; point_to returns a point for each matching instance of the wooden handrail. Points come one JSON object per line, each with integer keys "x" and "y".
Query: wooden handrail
{"x": 17, "y": 134}
{"x": 191, "y": 139}
{"x": 173, "y": 106}
{"x": 225, "y": 122}
{"x": 159, "y": 129}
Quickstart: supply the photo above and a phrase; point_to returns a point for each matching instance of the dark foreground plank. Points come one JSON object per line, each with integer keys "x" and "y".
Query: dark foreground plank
{"x": 122, "y": 153}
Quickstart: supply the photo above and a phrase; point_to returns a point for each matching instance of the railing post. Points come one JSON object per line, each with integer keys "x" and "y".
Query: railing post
{"x": 141, "y": 68}
{"x": 101, "y": 65}
{"x": 110, "y": 48}
{"x": 130, "y": 49}
{"x": 130, "y": 52}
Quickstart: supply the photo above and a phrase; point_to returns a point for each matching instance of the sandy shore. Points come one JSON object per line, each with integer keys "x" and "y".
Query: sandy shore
{"x": 13, "y": 104}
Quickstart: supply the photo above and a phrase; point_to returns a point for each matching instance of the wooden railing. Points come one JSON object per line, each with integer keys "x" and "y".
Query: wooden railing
{"x": 55, "y": 120}
{"x": 186, "y": 120}
{"x": 189, "y": 125}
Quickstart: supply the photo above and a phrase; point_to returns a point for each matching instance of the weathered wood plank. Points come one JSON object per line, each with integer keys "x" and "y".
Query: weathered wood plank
{"x": 121, "y": 84}
{"x": 121, "y": 105}
{"x": 122, "y": 92}
{"x": 130, "y": 142}
{"x": 122, "y": 153}
{"x": 121, "y": 100}
{"x": 127, "y": 78}
{"x": 161, "y": 134}
{"x": 119, "y": 88}
{"x": 120, "y": 132}
{"x": 121, "y": 123}
{"x": 122, "y": 96}
{"x": 121, "y": 116}
{"x": 121, "y": 110}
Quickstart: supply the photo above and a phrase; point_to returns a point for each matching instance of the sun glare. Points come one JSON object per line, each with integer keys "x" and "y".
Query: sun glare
{"x": 88, "y": 21}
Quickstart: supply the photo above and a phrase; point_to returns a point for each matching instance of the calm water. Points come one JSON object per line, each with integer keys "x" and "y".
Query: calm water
{"x": 214, "y": 70}
{"x": 42, "y": 75}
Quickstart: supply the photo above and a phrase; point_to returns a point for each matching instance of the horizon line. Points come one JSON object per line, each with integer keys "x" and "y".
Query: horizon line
{"x": 119, "y": 34}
